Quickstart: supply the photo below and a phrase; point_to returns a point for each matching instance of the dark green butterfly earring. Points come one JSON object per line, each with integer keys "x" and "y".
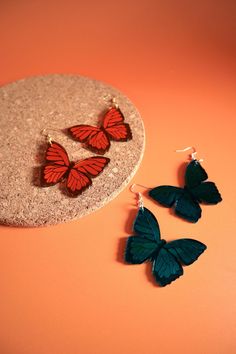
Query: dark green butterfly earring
{"x": 185, "y": 201}
{"x": 167, "y": 258}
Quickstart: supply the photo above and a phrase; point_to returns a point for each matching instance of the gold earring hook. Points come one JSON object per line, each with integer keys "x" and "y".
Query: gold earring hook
{"x": 140, "y": 199}
{"x": 193, "y": 154}
{"x": 112, "y": 101}
{"x": 45, "y": 133}
{"x": 139, "y": 185}
{"x": 47, "y": 136}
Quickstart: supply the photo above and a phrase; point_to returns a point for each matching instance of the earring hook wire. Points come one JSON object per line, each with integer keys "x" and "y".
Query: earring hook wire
{"x": 193, "y": 154}
{"x": 45, "y": 132}
{"x": 138, "y": 194}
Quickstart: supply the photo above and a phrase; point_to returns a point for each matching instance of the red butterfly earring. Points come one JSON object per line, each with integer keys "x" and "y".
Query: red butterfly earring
{"x": 112, "y": 127}
{"x": 76, "y": 175}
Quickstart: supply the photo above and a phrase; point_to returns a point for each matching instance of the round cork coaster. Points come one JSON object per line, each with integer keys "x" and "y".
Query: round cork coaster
{"x": 58, "y": 101}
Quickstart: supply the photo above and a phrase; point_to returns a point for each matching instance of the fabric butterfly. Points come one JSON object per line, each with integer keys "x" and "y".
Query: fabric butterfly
{"x": 167, "y": 257}
{"x": 98, "y": 139}
{"x": 77, "y": 175}
{"x": 186, "y": 200}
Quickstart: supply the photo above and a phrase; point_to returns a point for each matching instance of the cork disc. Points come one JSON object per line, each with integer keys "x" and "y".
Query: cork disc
{"x": 58, "y": 101}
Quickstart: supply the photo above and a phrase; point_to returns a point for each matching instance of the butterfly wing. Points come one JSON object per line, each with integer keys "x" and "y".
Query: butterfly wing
{"x": 166, "y": 267}
{"x": 207, "y": 192}
{"x": 92, "y": 166}
{"x": 77, "y": 182}
{"x": 81, "y": 173}
{"x": 53, "y": 174}
{"x": 94, "y": 137}
{"x": 57, "y": 164}
{"x": 195, "y": 174}
{"x": 56, "y": 154}
{"x": 166, "y": 195}
{"x": 184, "y": 204}
{"x": 115, "y": 127}
{"x": 201, "y": 191}
{"x": 187, "y": 208}
{"x": 186, "y": 250}
{"x": 139, "y": 249}
{"x": 142, "y": 247}
{"x": 146, "y": 225}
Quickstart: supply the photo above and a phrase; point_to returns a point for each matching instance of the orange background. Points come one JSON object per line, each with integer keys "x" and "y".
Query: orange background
{"x": 65, "y": 289}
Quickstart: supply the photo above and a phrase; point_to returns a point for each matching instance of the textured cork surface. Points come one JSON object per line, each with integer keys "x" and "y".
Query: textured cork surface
{"x": 58, "y": 101}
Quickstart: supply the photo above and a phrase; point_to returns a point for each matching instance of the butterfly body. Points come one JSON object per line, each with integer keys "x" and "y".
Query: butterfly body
{"x": 186, "y": 200}
{"x": 98, "y": 139}
{"x": 158, "y": 248}
{"x": 76, "y": 175}
{"x": 167, "y": 257}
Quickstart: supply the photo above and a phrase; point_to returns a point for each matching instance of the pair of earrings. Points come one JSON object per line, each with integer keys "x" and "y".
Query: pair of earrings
{"x": 168, "y": 258}
{"x": 77, "y": 175}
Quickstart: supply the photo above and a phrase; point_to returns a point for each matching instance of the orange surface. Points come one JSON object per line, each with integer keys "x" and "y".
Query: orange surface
{"x": 65, "y": 289}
